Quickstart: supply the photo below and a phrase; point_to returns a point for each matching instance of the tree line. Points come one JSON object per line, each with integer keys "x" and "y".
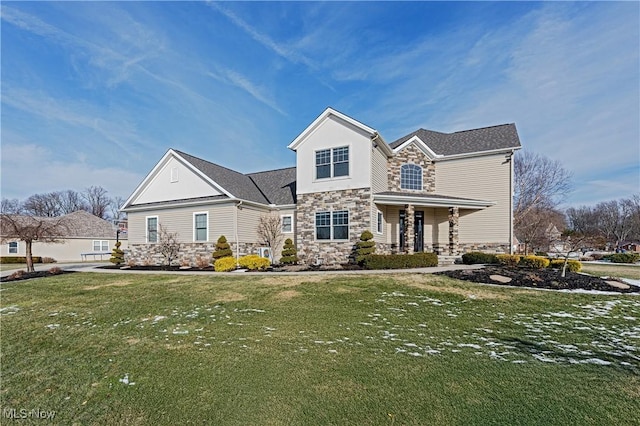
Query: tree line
{"x": 94, "y": 199}
{"x": 540, "y": 187}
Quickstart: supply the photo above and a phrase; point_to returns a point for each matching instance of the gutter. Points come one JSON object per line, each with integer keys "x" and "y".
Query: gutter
{"x": 432, "y": 202}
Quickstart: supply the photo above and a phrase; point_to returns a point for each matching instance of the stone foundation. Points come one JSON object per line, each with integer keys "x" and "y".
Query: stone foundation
{"x": 484, "y": 247}
{"x": 146, "y": 254}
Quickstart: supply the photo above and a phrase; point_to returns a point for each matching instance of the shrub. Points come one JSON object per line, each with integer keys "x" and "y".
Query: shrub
{"x": 223, "y": 249}
{"x": 597, "y": 256}
{"x": 202, "y": 262}
{"x": 535, "y": 262}
{"x": 621, "y": 257}
{"x": 572, "y": 265}
{"x": 289, "y": 253}
{"x": 365, "y": 247}
{"x": 117, "y": 255}
{"x": 508, "y": 259}
{"x": 400, "y": 261}
{"x": 49, "y": 260}
{"x": 19, "y": 259}
{"x": 476, "y": 257}
{"x": 542, "y": 253}
{"x": 55, "y": 270}
{"x": 253, "y": 262}
{"x": 224, "y": 264}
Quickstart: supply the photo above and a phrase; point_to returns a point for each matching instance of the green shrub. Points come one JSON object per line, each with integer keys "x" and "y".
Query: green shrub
{"x": 508, "y": 259}
{"x": 476, "y": 257}
{"x": 623, "y": 257}
{"x": 542, "y": 253}
{"x": 572, "y": 265}
{"x": 117, "y": 255}
{"x": 19, "y": 259}
{"x": 223, "y": 249}
{"x": 224, "y": 264}
{"x": 365, "y": 247}
{"x": 253, "y": 262}
{"x": 535, "y": 262}
{"x": 400, "y": 261}
{"x": 289, "y": 253}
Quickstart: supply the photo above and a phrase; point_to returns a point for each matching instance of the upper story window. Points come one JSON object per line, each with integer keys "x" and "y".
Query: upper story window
{"x": 200, "y": 228}
{"x": 332, "y": 162}
{"x": 152, "y": 229}
{"x": 13, "y": 247}
{"x": 411, "y": 177}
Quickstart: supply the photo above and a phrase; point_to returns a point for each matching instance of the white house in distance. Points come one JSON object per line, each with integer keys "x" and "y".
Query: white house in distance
{"x": 427, "y": 191}
{"x": 85, "y": 237}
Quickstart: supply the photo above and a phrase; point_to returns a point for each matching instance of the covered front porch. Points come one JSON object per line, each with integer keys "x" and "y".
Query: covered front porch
{"x": 423, "y": 223}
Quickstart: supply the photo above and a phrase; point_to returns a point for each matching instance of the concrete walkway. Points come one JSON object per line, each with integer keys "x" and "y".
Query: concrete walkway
{"x": 95, "y": 267}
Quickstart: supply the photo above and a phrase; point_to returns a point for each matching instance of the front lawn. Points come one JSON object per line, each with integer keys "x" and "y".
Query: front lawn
{"x": 386, "y": 349}
{"x": 619, "y": 270}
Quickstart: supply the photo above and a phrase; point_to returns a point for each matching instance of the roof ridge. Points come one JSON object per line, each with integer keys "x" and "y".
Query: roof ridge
{"x": 480, "y": 128}
{"x": 207, "y": 161}
{"x": 273, "y": 170}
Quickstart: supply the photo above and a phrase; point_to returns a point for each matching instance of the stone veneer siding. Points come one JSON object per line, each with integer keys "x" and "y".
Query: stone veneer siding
{"x": 328, "y": 252}
{"x": 146, "y": 254}
{"x": 411, "y": 155}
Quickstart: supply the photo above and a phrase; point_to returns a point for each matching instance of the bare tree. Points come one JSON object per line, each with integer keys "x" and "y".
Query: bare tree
{"x": 615, "y": 220}
{"x": 71, "y": 201}
{"x": 571, "y": 241}
{"x": 534, "y": 229}
{"x": 43, "y": 205}
{"x": 114, "y": 208}
{"x": 29, "y": 228}
{"x": 11, "y": 206}
{"x": 270, "y": 232}
{"x": 539, "y": 182}
{"x": 98, "y": 201}
{"x": 168, "y": 245}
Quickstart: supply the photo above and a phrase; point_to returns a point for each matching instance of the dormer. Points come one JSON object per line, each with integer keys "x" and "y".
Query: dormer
{"x": 335, "y": 153}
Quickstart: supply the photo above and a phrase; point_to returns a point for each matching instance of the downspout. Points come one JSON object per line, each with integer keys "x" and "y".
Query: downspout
{"x": 511, "y": 202}
{"x": 235, "y": 228}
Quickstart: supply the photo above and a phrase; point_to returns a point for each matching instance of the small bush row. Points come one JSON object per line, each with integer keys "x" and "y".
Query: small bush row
{"x": 535, "y": 262}
{"x": 252, "y": 262}
{"x": 623, "y": 257}
{"x": 572, "y": 265}
{"x": 400, "y": 261}
{"x": 19, "y": 259}
{"x": 478, "y": 257}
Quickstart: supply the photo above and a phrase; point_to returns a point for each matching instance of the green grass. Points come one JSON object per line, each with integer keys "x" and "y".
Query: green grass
{"x": 12, "y": 266}
{"x": 612, "y": 270}
{"x": 366, "y": 350}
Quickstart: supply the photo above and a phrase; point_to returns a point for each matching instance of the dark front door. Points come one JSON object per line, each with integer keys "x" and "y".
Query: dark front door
{"x": 418, "y": 245}
{"x": 403, "y": 217}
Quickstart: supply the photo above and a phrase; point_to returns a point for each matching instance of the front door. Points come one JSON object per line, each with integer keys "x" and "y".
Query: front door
{"x": 418, "y": 245}
{"x": 403, "y": 216}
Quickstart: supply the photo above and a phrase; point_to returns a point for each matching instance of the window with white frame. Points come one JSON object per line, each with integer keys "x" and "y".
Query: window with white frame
{"x": 332, "y": 162}
{"x": 152, "y": 229}
{"x": 13, "y": 247}
{"x": 332, "y": 225}
{"x": 379, "y": 222}
{"x": 100, "y": 245}
{"x": 174, "y": 174}
{"x": 200, "y": 226}
{"x": 287, "y": 224}
{"x": 411, "y": 177}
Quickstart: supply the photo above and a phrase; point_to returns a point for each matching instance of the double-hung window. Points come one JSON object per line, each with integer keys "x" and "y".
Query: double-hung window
{"x": 100, "y": 245}
{"x": 287, "y": 224}
{"x": 13, "y": 247}
{"x": 152, "y": 229}
{"x": 332, "y": 225}
{"x": 200, "y": 226}
{"x": 411, "y": 177}
{"x": 332, "y": 162}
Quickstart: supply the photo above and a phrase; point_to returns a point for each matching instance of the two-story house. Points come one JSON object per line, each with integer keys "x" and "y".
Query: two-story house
{"x": 427, "y": 191}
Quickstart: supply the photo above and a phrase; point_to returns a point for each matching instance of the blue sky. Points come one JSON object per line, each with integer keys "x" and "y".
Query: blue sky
{"x": 95, "y": 93}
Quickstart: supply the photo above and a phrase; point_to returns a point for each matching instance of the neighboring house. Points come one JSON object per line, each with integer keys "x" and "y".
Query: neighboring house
{"x": 427, "y": 191}
{"x": 85, "y": 237}
{"x": 631, "y": 246}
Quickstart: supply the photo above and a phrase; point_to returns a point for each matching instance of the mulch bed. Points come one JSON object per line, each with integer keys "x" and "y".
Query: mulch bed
{"x": 22, "y": 275}
{"x": 538, "y": 278}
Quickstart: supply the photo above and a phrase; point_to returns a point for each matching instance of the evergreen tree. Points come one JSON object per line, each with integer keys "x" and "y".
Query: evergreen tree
{"x": 117, "y": 255}
{"x": 223, "y": 249}
{"x": 289, "y": 253}
{"x": 365, "y": 246}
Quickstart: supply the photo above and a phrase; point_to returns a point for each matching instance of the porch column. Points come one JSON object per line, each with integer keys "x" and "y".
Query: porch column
{"x": 410, "y": 235}
{"x": 454, "y": 217}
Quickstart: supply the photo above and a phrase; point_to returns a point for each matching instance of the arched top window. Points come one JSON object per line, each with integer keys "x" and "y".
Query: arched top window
{"x": 411, "y": 177}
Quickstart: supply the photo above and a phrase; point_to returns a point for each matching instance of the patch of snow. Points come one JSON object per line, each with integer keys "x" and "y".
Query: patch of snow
{"x": 469, "y": 345}
{"x": 180, "y": 332}
{"x": 9, "y": 310}
{"x": 126, "y": 381}
{"x": 52, "y": 326}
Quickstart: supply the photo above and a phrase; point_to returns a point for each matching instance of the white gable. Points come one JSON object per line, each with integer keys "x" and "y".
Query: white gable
{"x": 421, "y": 145}
{"x": 173, "y": 179}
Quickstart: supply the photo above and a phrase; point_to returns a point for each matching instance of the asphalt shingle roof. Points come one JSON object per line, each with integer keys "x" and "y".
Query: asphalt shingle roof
{"x": 477, "y": 140}
{"x": 278, "y": 186}
{"x": 79, "y": 224}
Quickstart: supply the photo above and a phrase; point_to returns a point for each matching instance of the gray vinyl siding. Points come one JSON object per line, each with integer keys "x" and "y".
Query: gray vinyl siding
{"x": 248, "y": 221}
{"x": 483, "y": 178}
{"x": 180, "y": 220}
{"x": 378, "y": 171}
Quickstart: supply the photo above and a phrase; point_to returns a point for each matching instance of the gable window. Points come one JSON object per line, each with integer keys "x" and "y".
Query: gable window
{"x": 379, "y": 222}
{"x": 200, "y": 226}
{"x": 13, "y": 247}
{"x": 174, "y": 174}
{"x": 152, "y": 229}
{"x": 100, "y": 245}
{"x": 332, "y": 162}
{"x": 287, "y": 224}
{"x": 411, "y": 177}
{"x": 332, "y": 225}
